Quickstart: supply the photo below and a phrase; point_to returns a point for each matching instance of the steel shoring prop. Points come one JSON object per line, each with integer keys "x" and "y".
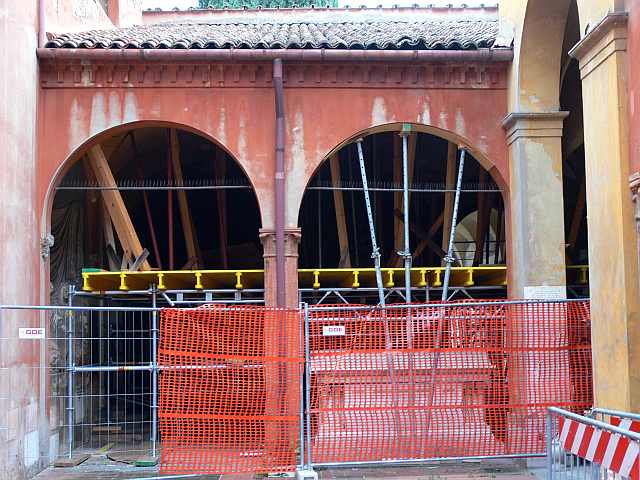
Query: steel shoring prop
{"x": 445, "y": 290}
{"x": 406, "y": 254}
{"x": 376, "y": 258}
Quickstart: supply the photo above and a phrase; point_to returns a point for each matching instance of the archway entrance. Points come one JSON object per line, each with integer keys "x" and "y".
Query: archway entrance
{"x": 174, "y": 217}
{"x": 335, "y": 252}
{"x": 153, "y": 198}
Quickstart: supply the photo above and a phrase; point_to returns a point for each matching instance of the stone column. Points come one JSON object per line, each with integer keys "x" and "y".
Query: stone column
{"x": 536, "y": 270}
{"x": 537, "y": 253}
{"x": 291, "y": 242}
{"x": 613, "y": 266}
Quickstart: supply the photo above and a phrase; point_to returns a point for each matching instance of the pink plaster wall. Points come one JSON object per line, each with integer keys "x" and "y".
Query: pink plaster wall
{"x": 125, "y": 13}
{"x": 242, "y": 120}
{"x": 23, "y": 426}
{"x": 633, "y": 54}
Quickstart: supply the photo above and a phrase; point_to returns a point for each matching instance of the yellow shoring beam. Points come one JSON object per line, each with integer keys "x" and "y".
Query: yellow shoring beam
{"x": 95, "y": 281}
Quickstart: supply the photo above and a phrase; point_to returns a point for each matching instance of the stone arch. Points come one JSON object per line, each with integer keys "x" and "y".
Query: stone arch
{"x": 539, "y": 56}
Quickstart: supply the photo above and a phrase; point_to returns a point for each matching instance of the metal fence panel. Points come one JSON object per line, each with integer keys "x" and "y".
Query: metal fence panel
{"x": 229, "y": 389}
{"x": 420, "y": 382}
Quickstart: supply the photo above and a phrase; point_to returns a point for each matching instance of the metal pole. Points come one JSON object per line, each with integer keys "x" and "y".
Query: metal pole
{"x": 307, "y": 377}
{"x": 154, "y": 372}
{"x": 449, "y": 257}
{"x": 70, "y": 371}
{"x": 374, "y": 244}
{"x": 303, "y": 342}
{"x": 548, "y": 438}
{"x": 445, "y": 288}
{"x": 406, "y": 254}
{"x": 376, "y": 257}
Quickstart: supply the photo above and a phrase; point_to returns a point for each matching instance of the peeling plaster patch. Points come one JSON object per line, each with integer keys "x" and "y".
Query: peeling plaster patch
{"x": 442, "y": 120}
{"x": 222, "y": 126}
{"x": 378, "y": 112}
{"x": 77, "y": 126}
{"x": 130, "y": 107}
{"x": 296, "y": 172}
{"x": 97, "y": 114}
{"x": 115, "y": 109}
{"x": 460, "y": 126}
{"x": 242, "y": 142}
{"x": 426, "y": 114}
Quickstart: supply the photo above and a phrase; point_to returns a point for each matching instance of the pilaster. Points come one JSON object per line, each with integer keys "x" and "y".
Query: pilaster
{"x": 613, "y": 272}
{"x": 537, "y": 214}
{"x": 291, "y": 242}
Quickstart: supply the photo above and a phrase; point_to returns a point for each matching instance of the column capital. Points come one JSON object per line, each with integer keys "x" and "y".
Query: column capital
{"x": 606, "y": 38}
{"x": 533, "y": 125}
{"x": 292, "y": 238}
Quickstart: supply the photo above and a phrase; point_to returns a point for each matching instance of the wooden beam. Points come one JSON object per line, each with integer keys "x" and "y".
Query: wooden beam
{"x": 423, "y": 244}
{"x": 190, "y": 240}
{"x": 499, "y": 230}
{"x": 424, "y": 235}
{"x": 109, "y": 239}
{"x": 482, "y": 221}
{"x": 115, "y": 205}
{"x": 578, "y": 215}
{"x": 220, "y": 171}
{"x": 397, "y": 201}
{"x": 341, "y": 219}
{"x": 450, "y": 183}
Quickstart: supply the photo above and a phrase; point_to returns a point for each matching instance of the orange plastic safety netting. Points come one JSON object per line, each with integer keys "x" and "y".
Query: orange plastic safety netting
{"x": 229, "y": 389}
{"x": 443, "y": 381}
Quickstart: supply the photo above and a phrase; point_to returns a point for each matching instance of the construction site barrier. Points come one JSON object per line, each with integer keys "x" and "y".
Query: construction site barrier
{"x": 405, "y": 383}
{"x": 587, "y": 447}
{"x": 419, "y": 382}
{"x": 229, "y": 389}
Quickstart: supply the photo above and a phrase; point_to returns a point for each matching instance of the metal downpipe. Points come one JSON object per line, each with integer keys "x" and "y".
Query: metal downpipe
{"x": 279, "y": 183}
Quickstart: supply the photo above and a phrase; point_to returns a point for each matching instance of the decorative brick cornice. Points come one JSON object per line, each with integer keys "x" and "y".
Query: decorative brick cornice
{"x": 340, "y": 75}
{"x": 533, "y": 124}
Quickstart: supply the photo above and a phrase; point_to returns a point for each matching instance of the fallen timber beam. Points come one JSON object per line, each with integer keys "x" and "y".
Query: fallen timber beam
{"x": 115, "y": 204}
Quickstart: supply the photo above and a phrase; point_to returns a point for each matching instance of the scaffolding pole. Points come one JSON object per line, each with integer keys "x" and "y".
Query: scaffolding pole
{"x": 374, "y": 244}
{"x": 376, "y": 257}
{"x": 406, "y": 254}
{"x": 449, "y": 258}
{"x": 445, "y": 291}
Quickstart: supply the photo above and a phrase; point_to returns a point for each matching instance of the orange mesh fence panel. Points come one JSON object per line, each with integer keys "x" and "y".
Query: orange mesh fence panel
{"x": 229, "y": 389}
{"x": 443, "y": 381}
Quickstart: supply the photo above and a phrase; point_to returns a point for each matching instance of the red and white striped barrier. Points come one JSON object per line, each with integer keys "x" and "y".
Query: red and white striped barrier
{"x": 611, "y": 450}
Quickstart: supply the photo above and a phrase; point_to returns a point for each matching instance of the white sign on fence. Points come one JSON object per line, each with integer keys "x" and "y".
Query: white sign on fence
{"x": 333, "y": 330}
{"x": 545, "y": 292}
{"x": 31, "y": 333}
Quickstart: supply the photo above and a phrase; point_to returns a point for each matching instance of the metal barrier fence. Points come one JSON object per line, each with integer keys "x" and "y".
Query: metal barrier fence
{"x": 412, "y": 383}
{"x": 93, "y": 370}
{"x": 223, "y": 389}
{"x": 585, "y": 447}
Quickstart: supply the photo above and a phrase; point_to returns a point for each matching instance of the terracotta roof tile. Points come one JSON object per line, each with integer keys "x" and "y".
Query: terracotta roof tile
{"x": 334, "y": 32}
